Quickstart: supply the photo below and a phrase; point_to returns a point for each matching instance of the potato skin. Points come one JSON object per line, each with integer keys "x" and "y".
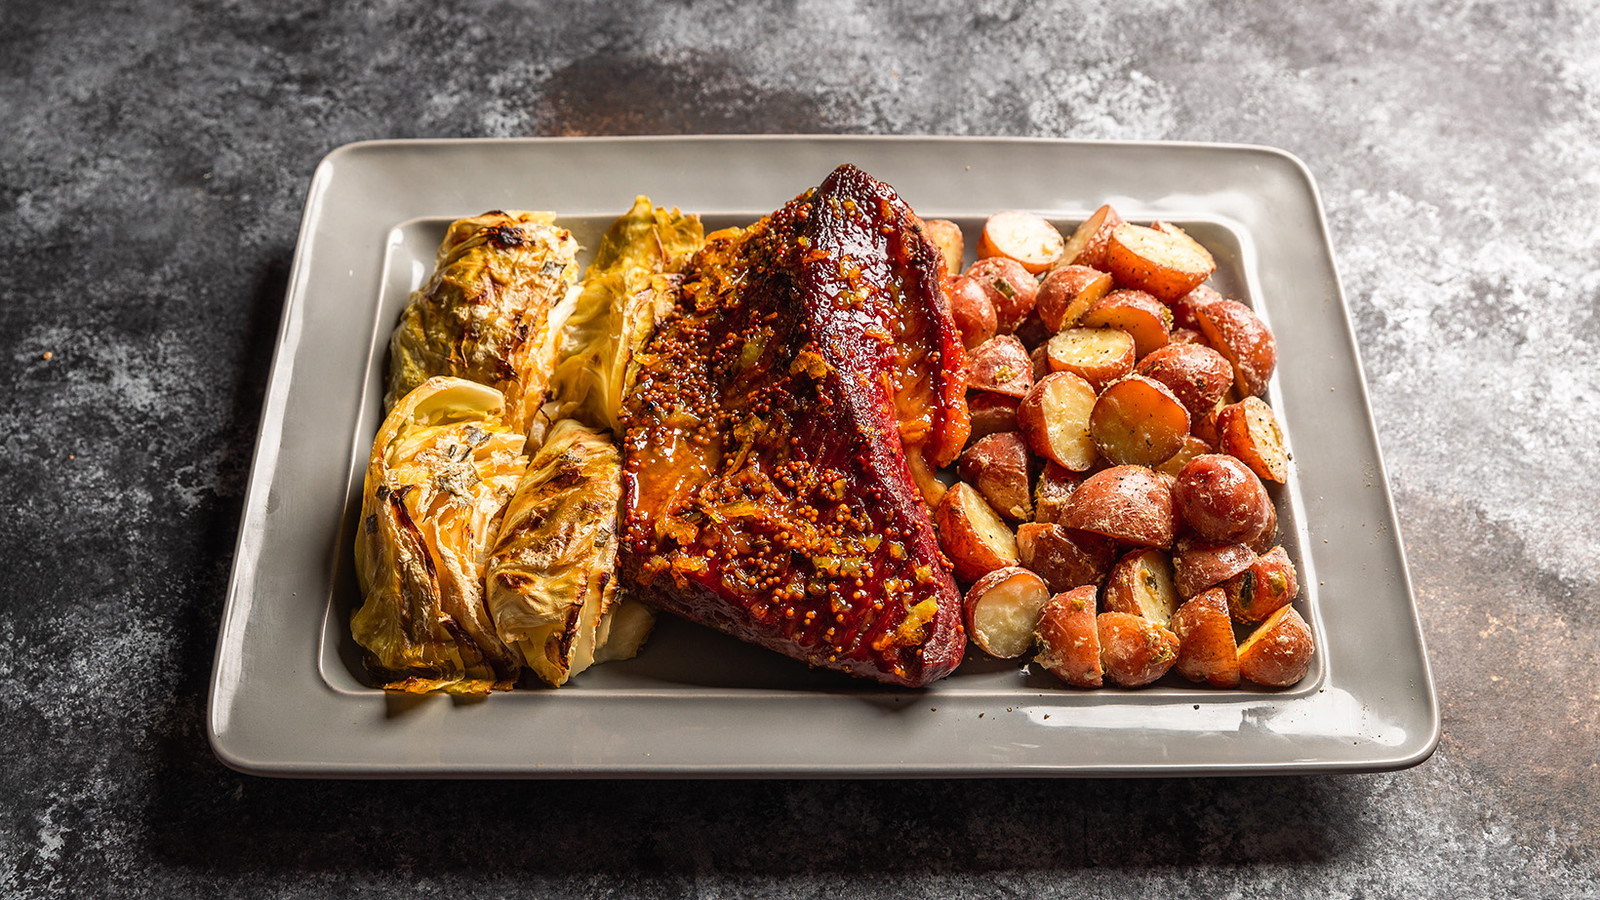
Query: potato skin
{"x": 1064, "y": 558}
{"x": 1137, "y": 313}
{"x": 1162, "y": 260}
{"x": 1011, "y": 288}
{"x": 991, "y": 413}
{"x": 1267, "y": 585}
{"x": 1134, "y": 651}
{"x": 1069, "y": 638}
{"x": 1238, "y": 334}
{"x": 972, "y": 534}
{"x": 972, "y": 311}
{"x": 1138, "y": 421}
{"x": 1186, "y": 309}
{"x": 1067, "y": 293}
{"x": 1249, "y": 431}
{"x": 1198, "y": 375}
{"x": 1278, "y": 653}
{"x": 1206, "y": 648}
{"x": 1087, "y": 244}
{"x": 1000, "y": 365}
{"x": 1221, "y": 499}
{"x": 999, "y": 466}
{"x": 1126, "y": 503}
{"x": 1053, "y": 492}
{"x": 1198, "y": 564}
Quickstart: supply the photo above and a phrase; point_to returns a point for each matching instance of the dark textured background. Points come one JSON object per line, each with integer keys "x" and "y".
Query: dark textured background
{"x": 153, "y": 162}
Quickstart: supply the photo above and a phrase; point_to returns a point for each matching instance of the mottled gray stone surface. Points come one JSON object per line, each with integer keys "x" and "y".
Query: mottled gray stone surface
{"x": 153, "y": 162}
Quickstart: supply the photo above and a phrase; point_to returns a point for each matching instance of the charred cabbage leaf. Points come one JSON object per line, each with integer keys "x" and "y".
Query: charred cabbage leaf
{"x": 551, "y": 587}
{"x": 442, "y": 469}
{"x": 485, "y": 313}
{"x": 616, "y": 311}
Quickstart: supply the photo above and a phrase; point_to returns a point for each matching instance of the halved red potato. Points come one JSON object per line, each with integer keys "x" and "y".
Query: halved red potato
{"x": 1054, "y": 417}
{"x": 1221, "y": 499}
{"x": 1185, "y": 309}
{"x": 946, "y": 235}
{"x": 1248, "y": 430}
{"x": 972, "y": 534}
{"x": 1197, "y": 374}
{"x": 1137, "y": 313}
{"x": 1023, "y": 237}
{"x": 1204, "y": 426}
{"x": 1087, "y": 245}
{"x": 1165, "y": 262}
{"x": 1064, "y": 558}
{"x": 1186, "y": 336}
{"x": 1206, "y": 648}
{"x": 999, "y": 465}
{"x": 1002, "y": 611}
{"x": 1138, "y": 421}
{"x": 991, "y": 413}
{"x": 1238, "y": 334}
{"x": 1041, "y": 362}
{"x": 1069, "y": 638}
{"x": 1067, "y": 293}
{"x": 1053, "y": 491}
{"x": 1134, "y": 651}
{"x": 1141, "y": 583}
{"x": 1000, "y": 365}
{"x": 1012, "y": 289}
{"x": 972, "y": 311}
{"x": 1192, "y": 447}
{"x": 1278, "y": 653}
{"x": 1098, "y": 355}
{"x": 1198, "y": 564}
{"x": 1126, "y": 503}
{"x": 1260, "y": 590}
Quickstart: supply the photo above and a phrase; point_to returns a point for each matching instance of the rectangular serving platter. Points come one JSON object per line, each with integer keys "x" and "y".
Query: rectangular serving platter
{"x": 288, "y": 696}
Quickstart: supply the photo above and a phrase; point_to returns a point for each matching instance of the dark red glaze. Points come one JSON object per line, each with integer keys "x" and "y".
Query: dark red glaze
{"x": 808, "y": 381}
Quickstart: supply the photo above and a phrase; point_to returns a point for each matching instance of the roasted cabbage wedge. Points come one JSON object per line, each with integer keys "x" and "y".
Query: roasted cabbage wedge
{"x": 485, "y": 315}
{"x": 551, "y": 584}
{"x": 443, "y": 467}
{"x": 616, "y": 311}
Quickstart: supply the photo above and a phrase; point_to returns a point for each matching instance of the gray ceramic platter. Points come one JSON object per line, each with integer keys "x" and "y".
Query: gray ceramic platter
{"x": 287, "y": 693}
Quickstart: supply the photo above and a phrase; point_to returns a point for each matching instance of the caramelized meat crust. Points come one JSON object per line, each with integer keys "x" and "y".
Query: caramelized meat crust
{"x": 808, "y": 381}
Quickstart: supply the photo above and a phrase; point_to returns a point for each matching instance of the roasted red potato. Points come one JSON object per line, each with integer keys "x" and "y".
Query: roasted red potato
{"x": 1126, "y": 503}
{"x": 1087, "y": 246}
{"x": 1267, "y": 537}
{"x": 1134, "y": 651}
{"x": 1064, "y": 558}
{"x": 1278, "y": 653}
{"x": 1238, "y": 334}
{"x": 1221, "y": 499}
{"x": 1023, "y": 237}
{"x": 1054, "y": 417}
{"x": 1198, "y": 564}
{"x": 1138, "y": 421}
{"x": 1053, "y": 491}
{"x": 999, "y": 466}
{"x": 972, "y": 534}
{"x": 1186, "y": 336}
{"x": 1192, "y": 447}
{"x": 1206, "y": 648}
{"x": 1041, "y": 362}
{"x": 946, "y": 235}
{"x": 1267, "y": 585}
{"x": 1141, "y": 583}
{"x": 1097, "y": 355}
{"x": 1164, "y": 262}
{"x": 1185, "y": 309}
{"x": 1197, "y": 374}
{"x": 1002, "y": 611}
{"x": 1067, "y": 293}
{"x": 991, "y": 413}
{"x": 1000, "y": 365}
{"x": 1069, "y": 638}
{"x": 1248, "y": 430}
{"x": 1012, "y": 289}
{"x": 972, "y": 311}
{"x": 1136, "y": 312}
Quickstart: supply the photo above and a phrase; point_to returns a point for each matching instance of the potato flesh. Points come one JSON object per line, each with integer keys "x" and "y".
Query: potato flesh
{"x": 1023, "y": 237}
{"x": 1004, "y": 615}
{"x": 1097, "y": 355}
{"x": 1054, "y": 417}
